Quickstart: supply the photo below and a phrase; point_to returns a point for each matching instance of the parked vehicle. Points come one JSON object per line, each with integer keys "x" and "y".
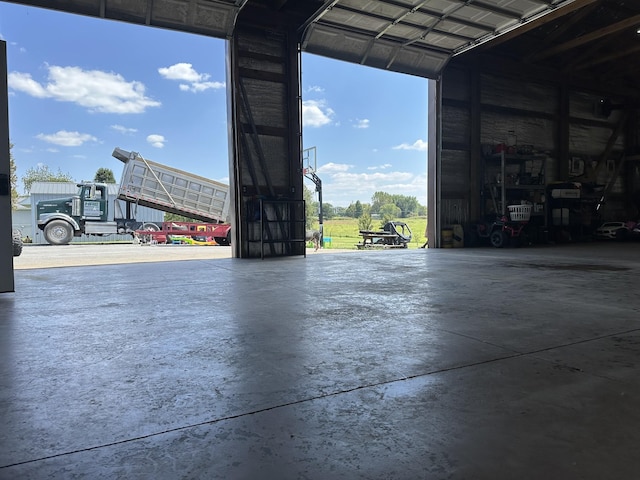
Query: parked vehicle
{"x": 17, "y": 242}
{"x": 501, "y": 230}
{"x": 613, "y": 231}
{"x": 145, "y": 183}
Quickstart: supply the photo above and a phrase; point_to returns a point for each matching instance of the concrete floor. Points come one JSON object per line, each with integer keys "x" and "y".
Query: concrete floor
{"x": 417, "y": 364}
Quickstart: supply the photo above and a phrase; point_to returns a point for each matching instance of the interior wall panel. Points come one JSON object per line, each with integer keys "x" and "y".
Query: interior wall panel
{"x": 515, "y": 93}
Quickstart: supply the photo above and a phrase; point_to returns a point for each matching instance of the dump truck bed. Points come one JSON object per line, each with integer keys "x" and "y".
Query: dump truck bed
{"x": 171, "y": 190}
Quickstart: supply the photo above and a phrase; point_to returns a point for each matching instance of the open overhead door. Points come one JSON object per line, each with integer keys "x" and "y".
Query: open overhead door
{"x": 419, "y": 37}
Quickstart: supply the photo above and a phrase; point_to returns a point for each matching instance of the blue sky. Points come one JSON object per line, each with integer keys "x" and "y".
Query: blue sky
{"x": 80, "y": 86}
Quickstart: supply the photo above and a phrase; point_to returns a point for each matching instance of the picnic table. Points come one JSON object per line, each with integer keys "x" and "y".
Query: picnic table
{"x": 393, "y": 235}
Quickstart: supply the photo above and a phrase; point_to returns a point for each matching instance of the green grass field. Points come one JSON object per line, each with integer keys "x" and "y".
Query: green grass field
{"x": 343, "y": 232}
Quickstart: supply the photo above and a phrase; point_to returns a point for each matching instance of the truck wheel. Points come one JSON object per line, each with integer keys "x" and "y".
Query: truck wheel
{"x": 151, "y": 227}
{"x": 58, "y": 232}
{"x": 498, "y": 238}
{"x": 224, "y": 240}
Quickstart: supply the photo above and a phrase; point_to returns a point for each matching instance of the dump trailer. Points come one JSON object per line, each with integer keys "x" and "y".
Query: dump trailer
{"x": 145, "y": 183}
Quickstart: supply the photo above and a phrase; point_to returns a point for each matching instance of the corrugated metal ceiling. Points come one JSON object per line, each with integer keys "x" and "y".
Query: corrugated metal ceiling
{"x": 417, "y": 37}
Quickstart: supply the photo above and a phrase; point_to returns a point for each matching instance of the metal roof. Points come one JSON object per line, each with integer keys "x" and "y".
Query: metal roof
{"x": 417, "y": 37}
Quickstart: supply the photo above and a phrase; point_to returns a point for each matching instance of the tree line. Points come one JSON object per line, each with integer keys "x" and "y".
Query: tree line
{"x": 385, "y": 206}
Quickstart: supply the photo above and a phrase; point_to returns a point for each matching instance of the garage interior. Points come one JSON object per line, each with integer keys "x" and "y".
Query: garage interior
{"x": 477, "y": 363}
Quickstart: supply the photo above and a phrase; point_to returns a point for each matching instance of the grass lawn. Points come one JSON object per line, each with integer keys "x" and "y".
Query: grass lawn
{"x": 343, "y": 232}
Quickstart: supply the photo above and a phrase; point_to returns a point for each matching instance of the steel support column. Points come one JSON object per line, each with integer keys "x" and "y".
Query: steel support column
{"x": 265, "y": 139}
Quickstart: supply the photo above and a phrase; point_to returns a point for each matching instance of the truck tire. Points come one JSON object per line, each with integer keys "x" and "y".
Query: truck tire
{"x": 224, "y": 240}
{"x": 151, "y": 227}
{"x": 58, "y": 232}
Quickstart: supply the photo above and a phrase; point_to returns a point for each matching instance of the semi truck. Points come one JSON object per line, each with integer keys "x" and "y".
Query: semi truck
{"x": 144, "y": 183}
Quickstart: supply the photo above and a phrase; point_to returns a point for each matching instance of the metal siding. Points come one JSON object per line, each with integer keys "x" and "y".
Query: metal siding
{"x": 592, "y": 140}
{"x": 512, "y": 93}
{"x": 455, "y": 173}
{"x": 539, "y": 132}
{"x": 456, "y": 84}
{"x": 455, "y": 125}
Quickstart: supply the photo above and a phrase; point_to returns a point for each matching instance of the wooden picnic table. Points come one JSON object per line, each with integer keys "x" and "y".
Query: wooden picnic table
{"x": 379, "y": 239}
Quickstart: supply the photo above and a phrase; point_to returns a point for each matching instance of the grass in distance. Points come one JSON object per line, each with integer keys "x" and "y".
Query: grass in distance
{"x": 343, "y": 231}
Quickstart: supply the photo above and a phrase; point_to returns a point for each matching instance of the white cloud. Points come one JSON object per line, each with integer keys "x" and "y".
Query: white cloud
{"x": 156, "y": 141}
{"x": 124, "y": 130}
{"x": 182, "y": 71}
{"x": 343, "y": 187}
{"x": 67, "y": 139}
{"x": 380, "y": 167}
{"x": 329, "y": 168}
{"x": 315, "y": 113}
{"x": 24, "y": 83}
{"x": 195, "y": 82}
{"x": 361, "y": 123}
{"x": 420, "y": 145}
{"x": 97, "y": 91}
{"x": 315, "y": 89}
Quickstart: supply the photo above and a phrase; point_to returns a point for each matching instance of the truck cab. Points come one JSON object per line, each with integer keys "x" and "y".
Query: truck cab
{"x": 63, "y": 218}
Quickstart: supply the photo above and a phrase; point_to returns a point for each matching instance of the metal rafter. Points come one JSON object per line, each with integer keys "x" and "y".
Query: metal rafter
{"x": 588, "y": 38}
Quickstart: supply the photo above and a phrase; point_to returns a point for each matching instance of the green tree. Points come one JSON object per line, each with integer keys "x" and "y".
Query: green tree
{"x": 364, "y": 222}
{"x": 104, "y": 175}
{"x": 311, "y": 208}
{"x": 13, "y": 178}
{"x": 350, "y": 211}
{"x": 388, "y": 213}
{"x": 408, "y": 205}
{"x": 328, "y": 211}
{"x": 41, "y": 173}
{"x": 378, "y": 200}
{"x": 357, "y": 209}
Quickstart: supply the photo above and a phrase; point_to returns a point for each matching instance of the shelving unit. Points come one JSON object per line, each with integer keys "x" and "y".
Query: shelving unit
{"x": 511, "y": 178}
{"x": 276, "y": 227}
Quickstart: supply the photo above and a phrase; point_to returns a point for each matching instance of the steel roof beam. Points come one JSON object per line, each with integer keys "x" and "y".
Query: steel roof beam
{"x": 588, "y": 38}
